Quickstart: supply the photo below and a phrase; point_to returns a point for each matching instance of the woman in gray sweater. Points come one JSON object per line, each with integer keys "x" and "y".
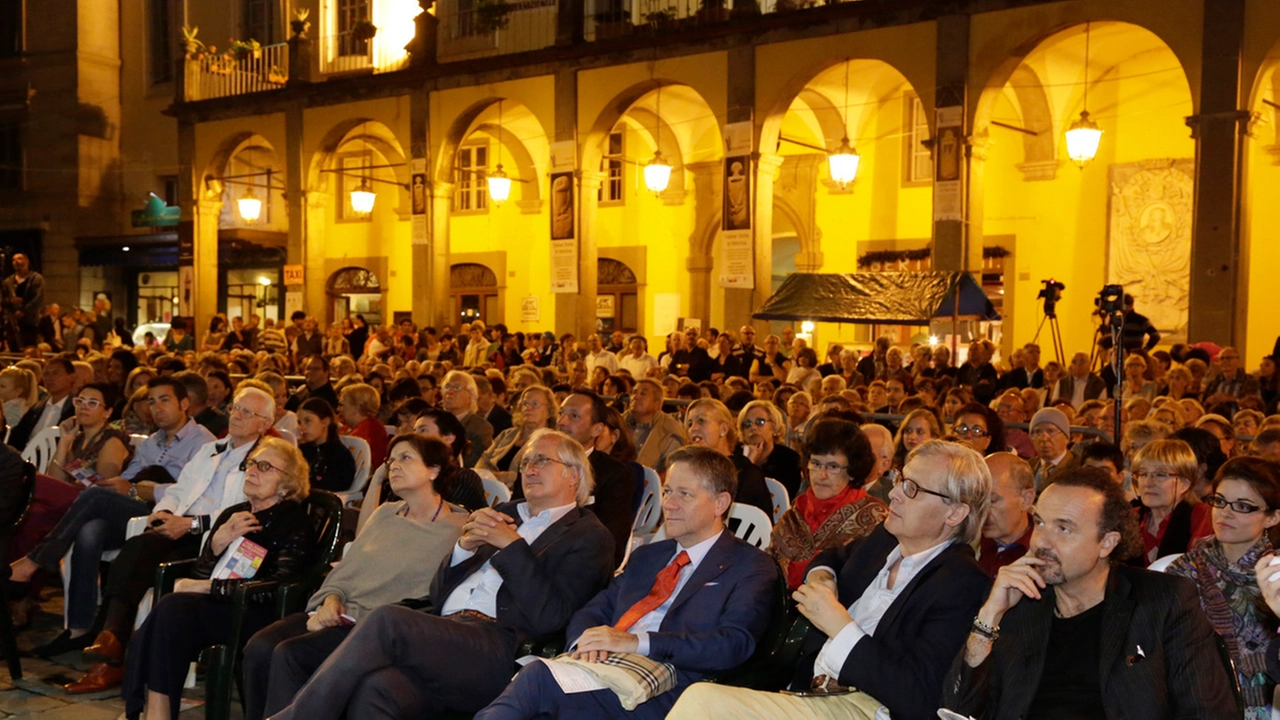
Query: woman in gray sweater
{"x": 394, "y": 557}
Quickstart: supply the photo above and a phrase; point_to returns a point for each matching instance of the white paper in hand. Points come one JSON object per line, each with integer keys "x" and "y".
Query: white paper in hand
{"x": 572, "y": 678}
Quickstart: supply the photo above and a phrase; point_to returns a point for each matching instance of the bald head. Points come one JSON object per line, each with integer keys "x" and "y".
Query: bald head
{"x": 1015, "y": 492}
{"x": 881, "y": 448}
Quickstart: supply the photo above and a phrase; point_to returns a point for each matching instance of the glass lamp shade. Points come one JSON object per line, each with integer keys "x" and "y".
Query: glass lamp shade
{"x": 843, "y": 163}
{"x": 250, "y": 206}
{"x": 362, "y": 198}
{"x": 499, "y": 186}
{"x": 657, "y": 174}
{"x": 1083, "y": 138}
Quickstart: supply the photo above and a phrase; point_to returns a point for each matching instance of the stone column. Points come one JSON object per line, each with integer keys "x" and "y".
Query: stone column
{"x": 316, "y": 209}
{"x": 1218, "y": 292}
{"x": 440, "y": 309}
{"x": 589, "y": 182}
{"x": 207, "y": 211}
{"x": 957, "y": 244}
{"x": 422, "y": 307}
{"x": 296, "y": 208}
{"x": 708, "y": 194}
{"x": 739, "y": 304}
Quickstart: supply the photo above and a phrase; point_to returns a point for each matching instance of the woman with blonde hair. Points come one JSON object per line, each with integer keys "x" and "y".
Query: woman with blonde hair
{"x": 917, "y": 428}
{"x": 1178, "y": 382}
{"x": 537, "y": 409}
{"x": 764, "y": 435}
{"x": 19, "y": 392}
{"x": 710, "y": 424}
{"x": 358, "y": 406}
{"x": 1169, "y": 517}
{"x": 1168, "y": 412}
{"x": 200, "y": 611}
{"x": 1136, "y": 383}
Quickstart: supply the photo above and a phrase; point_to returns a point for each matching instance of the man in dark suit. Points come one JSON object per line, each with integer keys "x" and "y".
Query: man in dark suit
{"x": 59, "y": 380}
{"x": 699, "y": 601}
{"x": 316, "y": 372}
{"x": 518, "y": 572}
{"x": 1068, "y": 629}
{"x": 487, "y": 407}
{"x": 1079, "y": 384}
{"x": 889, "y": 611}
{"x": 582, "y": 417}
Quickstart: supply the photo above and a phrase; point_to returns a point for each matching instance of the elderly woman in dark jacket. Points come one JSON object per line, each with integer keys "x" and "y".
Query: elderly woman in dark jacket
{"x": 198, "y": 613}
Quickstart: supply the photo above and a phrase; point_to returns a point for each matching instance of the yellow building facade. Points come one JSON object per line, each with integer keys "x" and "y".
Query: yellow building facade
{"x": 1176, "y": 204}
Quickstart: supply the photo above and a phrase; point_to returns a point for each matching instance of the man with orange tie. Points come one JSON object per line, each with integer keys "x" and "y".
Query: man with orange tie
{"x": 698, "y": 601}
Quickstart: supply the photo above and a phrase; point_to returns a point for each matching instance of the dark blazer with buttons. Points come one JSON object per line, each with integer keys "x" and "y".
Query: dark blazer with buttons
{"x": 1179, "y": 673}
{"x": 903, "y": 663}
{"x": 22, "y": 433}
{"x": 713, "y": 624}
{"x": 543, "y": 584}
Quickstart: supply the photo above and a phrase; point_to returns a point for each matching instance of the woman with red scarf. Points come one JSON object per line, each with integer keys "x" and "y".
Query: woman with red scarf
{"x": 835, "y": 508}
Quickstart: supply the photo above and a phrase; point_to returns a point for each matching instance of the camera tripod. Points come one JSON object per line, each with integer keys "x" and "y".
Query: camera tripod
{"x": 1055, "y": 332}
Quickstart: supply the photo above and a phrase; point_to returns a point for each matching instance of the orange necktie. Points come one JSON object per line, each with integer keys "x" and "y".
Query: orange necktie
{"x": 663, "y": 586}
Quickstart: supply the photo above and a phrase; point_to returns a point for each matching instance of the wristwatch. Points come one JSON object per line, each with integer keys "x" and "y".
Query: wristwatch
{"x": 133, "y": 491}
{"x": 195, "y": 525}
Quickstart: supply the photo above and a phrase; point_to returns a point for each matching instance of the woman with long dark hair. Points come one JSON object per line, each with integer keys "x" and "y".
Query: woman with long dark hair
{"x": 332, "y": 465}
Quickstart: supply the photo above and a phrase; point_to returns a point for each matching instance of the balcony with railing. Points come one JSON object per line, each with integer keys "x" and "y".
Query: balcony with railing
{"x": 214, "y": 75}
{"x": 481, "y": 28}
{"x": 355, "y": 52}
{"x": 611, "y": 19}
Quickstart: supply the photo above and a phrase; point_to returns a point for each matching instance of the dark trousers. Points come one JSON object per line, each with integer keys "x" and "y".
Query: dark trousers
{"x": 402, "y": 663}
{"x": 134, "y": 572}
{"x": 173, "y": 635}
{"x": 94, "y": 523}
{"x": 535, "y": 694}
{"x": 280, "y": 659}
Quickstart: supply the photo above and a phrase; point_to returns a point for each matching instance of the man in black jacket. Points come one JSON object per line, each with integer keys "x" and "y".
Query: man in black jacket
{"x": 889, "y": 611}
{"x": 518, "y": 572}
{"x": 1069, "y": 632}
{"x": 316, "y": 371}
{"x": 59, "y": 380}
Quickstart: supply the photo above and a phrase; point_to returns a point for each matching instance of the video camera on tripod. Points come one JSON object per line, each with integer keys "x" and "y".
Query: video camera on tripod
{"x": 1109, "y": 305}
{"x": 1051, "y": 293}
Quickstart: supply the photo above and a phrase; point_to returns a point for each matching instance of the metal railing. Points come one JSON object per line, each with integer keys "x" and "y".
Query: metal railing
{"x": 608, "y": 19}
{"x": 469, "y": 33}
{"x": 350, "y": 53}
{"x": 215, "y": 76}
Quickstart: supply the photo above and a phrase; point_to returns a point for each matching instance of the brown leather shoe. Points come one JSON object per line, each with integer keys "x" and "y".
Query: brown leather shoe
{"x": 100, "y": 677}
{"x": 105, "y": 648}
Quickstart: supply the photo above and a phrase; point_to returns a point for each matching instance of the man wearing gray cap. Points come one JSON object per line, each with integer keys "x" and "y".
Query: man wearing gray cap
{"x": 1050, "y": 434}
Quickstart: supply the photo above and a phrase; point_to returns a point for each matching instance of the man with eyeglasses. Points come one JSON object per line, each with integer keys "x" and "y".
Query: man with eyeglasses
{"x": 1050, "y": 434}
{"x": 519, "y": 572}
{"x": 699, "y": 600}
{"x": 317, "y": 384}
{"x": 460, "y": 396}
{"x": 889, "y": 611}
{"x": 1069, "y": 631}
{"x": 1231, "y": 383}
{"x": 97, "y": 519}
{"x": 210, "y": 482}
{"x": 973, "y": 427}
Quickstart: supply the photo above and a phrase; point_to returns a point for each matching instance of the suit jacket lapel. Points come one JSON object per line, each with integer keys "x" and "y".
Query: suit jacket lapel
{"x": 878, "y": 545}
{"x": 899, "y": 602}
{"x": 715, "y": 562}
{"x": 554, "y": 532}
{"x": 1117, "y": 611}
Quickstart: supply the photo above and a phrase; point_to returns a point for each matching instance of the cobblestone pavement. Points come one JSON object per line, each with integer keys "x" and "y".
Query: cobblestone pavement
{"x": 39, "y": 693}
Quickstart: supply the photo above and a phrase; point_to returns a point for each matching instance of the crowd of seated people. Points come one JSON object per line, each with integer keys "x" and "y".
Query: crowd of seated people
{"x": 932, "y": 510}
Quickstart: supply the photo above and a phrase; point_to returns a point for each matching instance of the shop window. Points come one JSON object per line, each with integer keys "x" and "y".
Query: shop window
{"x": 472, "y": 193}
{"x": 355, "y": 291}
{"x": 351, "y": 12}
{"x": 261, "y": 20}
{"x": 617, "y": 297}
{"x": 474, "y": 288}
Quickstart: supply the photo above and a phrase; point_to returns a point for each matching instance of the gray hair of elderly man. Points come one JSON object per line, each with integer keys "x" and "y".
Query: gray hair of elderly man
{"x": 885, "y": 437}
{"x": 270, "y": 410}
{"x": 468, "y": 381}
{"x": 966, "y": 479}
{"x": 570, "y": 452}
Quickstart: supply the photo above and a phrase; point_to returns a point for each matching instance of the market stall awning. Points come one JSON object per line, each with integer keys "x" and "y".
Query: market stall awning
{"x": 914, "y": 298}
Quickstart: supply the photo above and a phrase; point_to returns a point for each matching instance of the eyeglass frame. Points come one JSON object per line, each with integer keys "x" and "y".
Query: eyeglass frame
{"x": 905, "y": 483}
{"x": 538, "y": 462}
{"x": 826, "y": 469}
{"x": 1219, "y": 502}
{"x": 242, "y": 411}
{"x": 91, "y": 403}
{"x": 967, "y": 430}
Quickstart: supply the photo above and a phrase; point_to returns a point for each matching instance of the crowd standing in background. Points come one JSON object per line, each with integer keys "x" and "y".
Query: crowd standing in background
{"x": 972, "y": 535}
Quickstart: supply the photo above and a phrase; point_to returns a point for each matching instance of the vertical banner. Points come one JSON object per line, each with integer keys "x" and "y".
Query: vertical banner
{"x": 737, "y": 265}
{"x": 948, "y": 199}
{"x": 418, "y": 199}
{"x": 564, "y": 216}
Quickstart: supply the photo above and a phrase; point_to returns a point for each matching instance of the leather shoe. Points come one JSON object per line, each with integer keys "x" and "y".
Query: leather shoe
{"x": 62, "y": 644}
{"x": 100, "y": 677}
{"x": 105, "y": 648}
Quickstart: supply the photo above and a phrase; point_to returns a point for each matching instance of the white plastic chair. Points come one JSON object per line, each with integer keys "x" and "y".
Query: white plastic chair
{"x": 1162, "y": 564}
{"x": 495, "y": 492}
{"x": 780, "y": 497}
{"x": 360, "y": 451}
{"x": 136, "y": 440}
{"x": 753, "y": 525}
{"x": 41, "y": 448}
{"x": 650, "y": 513}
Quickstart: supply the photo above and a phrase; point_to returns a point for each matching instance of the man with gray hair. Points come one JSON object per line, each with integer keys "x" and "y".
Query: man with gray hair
{"x": 519, "y": 572}
{"x": 656, "y": 433}
{"x": 1006, "y": 534}
{"x": 889, "y": 611}
{"x": 880, "y": 480}
{"x": 460, "y": 396}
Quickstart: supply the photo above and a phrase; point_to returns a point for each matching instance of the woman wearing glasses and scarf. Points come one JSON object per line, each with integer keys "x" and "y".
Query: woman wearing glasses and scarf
{"x": 835, "y": 509}
{"x": 1246, "y": 504}
{"x": 199, "y": 611}
{"x": 89, "y": 449}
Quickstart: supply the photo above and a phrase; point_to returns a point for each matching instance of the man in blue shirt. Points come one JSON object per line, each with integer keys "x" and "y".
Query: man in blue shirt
{"x": 96, "y": 521}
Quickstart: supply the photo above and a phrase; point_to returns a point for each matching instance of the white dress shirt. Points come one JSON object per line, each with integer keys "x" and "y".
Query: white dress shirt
{"x": 479, "y": 592}
{"x": 651, "y": 621}
{"x": 51, "y": 416}
{"x": 867, "y": 610}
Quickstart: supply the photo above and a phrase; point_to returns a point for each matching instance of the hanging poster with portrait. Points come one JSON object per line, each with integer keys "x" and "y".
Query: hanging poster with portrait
{"x": 737, "y": 264}
{"x": 562, "y": 206}
{"x": 419, "y": 196}
{"x": 948, "y": 147}
{"x": 564, "y": 218}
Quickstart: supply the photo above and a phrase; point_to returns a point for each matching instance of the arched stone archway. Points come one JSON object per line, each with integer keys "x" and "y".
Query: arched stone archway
{"x": 475, "y": 292}
{"x": 355, "y": 291}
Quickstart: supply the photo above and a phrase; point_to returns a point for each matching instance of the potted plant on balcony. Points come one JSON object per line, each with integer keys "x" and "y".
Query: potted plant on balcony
{"x": 276, "y": 75}
{"x": 492, "y": 15}
{"x": 245, "y": 49}
{"x": 661, "y": 20}
{"x": 300, "y": 24}
{"x": 363, "y": 30}
{"x": 193, "y": 46}
{"x": 713, "y": 11}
